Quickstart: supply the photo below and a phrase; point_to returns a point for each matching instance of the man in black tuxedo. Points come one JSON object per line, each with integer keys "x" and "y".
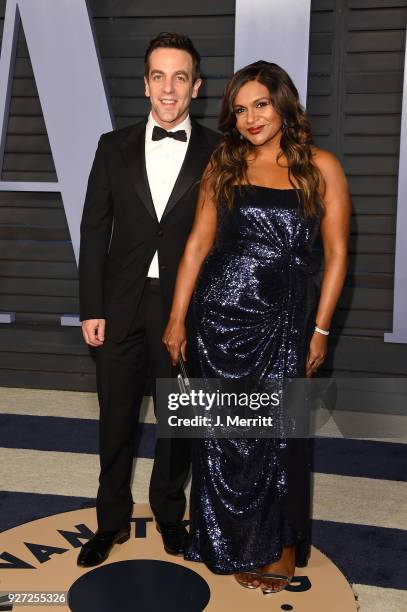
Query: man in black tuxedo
{"x": 138, "y": 212}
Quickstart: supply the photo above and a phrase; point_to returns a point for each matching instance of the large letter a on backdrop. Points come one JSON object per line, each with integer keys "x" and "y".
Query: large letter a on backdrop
{"x": 71, "y": 90}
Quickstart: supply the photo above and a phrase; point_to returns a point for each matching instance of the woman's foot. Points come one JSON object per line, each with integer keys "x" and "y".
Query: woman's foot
{"x": 249, "y": 580}
{"x": 278, "y": 574}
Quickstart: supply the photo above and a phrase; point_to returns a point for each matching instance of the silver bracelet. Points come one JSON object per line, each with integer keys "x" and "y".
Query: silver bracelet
{"x": 324, "y": 332}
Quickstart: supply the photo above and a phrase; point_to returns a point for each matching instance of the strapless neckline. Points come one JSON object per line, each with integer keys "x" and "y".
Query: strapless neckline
{"x": 271, "y": 188}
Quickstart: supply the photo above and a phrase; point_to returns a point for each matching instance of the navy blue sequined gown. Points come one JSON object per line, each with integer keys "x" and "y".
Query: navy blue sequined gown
{"x": 253, "y": 312}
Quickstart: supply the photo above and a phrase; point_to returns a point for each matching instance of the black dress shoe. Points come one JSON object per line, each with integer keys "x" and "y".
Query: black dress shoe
{"x": 97, "y": 549}
{"x": 174, "y": 537}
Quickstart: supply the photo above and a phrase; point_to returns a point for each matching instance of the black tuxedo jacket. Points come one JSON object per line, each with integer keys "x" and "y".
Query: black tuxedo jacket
{"x": 120, "y": 231}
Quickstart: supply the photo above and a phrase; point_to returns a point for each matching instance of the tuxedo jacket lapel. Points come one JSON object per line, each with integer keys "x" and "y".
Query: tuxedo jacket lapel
{"x": 132, "y": 147}
{"x": 190, "y": 169}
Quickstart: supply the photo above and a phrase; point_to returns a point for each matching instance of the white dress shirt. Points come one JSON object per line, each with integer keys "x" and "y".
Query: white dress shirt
{"x": 164, "y": 159}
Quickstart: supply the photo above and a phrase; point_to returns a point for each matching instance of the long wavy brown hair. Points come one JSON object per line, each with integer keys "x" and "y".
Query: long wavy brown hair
{"x": 228, "y": 165}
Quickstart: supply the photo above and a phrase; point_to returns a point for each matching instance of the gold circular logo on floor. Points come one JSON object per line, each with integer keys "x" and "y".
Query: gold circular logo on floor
{"x": 39, "y": 558}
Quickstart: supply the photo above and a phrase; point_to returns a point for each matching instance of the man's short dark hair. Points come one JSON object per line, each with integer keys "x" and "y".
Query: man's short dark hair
{"x": 172, "y": 40}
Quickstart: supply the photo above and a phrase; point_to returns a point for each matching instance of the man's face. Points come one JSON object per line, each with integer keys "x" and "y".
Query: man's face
{"x": 169, "y": 86}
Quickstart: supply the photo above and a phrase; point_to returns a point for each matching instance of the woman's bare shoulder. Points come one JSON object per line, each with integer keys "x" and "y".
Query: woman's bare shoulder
{"x": 327, "y": 163}
{"x": 334, "y": 179}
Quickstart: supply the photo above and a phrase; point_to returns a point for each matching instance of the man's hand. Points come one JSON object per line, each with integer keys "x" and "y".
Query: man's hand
{"x": 93, "y": 331}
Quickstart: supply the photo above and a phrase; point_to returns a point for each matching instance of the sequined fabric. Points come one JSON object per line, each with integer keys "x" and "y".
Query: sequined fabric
{"x": 253, "y": 310}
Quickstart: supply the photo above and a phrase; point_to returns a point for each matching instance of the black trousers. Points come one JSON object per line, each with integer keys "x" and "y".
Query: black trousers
{"x": 121, "y": 370}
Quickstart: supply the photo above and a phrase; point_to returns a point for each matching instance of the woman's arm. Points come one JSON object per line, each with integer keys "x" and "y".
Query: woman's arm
{"x": 334, "y": 232}
{"x": 199, "y": 243}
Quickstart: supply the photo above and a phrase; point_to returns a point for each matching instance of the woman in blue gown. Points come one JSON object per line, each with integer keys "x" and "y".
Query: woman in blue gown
{"x": 267, "y": 196}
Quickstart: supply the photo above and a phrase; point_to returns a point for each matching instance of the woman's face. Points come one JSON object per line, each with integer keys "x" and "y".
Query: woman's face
{"x": 256, "y": 118}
